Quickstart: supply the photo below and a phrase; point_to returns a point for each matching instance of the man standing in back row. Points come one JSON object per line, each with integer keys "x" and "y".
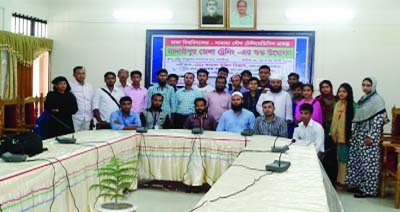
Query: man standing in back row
{"x": 83, "y": 92}
{"x": 281, "y": 99}
{"x": 165, "y": 90}
{"x": 105, "y": 101}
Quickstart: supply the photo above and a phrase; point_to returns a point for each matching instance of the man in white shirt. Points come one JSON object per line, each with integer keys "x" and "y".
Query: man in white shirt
{"x": 202, "y": 77}
{"x": 123, "y": 75}
{"x": 105, "y": 101}
{"x": 309, "y": 131}
{"x": 83, "y": 92}
{"x": 281, "y": 99}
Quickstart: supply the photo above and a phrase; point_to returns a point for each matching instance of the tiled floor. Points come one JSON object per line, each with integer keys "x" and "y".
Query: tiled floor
{"x": 155, "y": 200}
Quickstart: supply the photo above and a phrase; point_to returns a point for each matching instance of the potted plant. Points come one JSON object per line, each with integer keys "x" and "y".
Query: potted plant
{"x": 114, "y": 178}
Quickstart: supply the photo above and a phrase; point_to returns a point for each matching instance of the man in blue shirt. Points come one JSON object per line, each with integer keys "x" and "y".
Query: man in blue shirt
{"x": 237, "y": 118}
{"x": 165, "y": 90}
{"x": 184, "y": 100}
{"x": 125, "y": 119}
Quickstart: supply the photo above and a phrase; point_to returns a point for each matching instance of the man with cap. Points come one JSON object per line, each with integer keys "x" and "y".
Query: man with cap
{"x": 237, "y": 118}
{"x": 280, "y": 98}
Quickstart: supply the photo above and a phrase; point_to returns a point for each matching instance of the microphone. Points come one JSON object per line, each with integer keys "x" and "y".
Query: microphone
{"x": 141, "y": 130}
{"x": 281, "y": 149}
{"x": 279, "y": 165}
{"x": 64, "y": 139}
{"x": 246, "y": 133}
{"x": 197, "y": 130}
{"x": 9, "y": 157}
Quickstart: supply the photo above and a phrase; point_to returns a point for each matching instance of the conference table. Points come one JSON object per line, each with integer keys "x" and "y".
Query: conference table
{"x": 61, "y": 177}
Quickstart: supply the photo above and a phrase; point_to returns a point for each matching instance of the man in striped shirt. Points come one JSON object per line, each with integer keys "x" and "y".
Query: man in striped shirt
{"x": 269, "y": 123}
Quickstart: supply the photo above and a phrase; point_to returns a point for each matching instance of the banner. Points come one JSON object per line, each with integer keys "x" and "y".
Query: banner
{"x": 188, "y": 53}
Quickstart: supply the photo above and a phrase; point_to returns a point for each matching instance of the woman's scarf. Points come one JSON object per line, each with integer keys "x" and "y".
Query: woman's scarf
{"x": 369, "y": 105}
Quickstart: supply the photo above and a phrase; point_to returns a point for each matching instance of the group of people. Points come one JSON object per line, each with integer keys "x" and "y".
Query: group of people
{"x": 345, "y": 134}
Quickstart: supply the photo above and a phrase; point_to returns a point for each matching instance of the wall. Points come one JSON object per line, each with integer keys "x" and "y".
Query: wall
{"x": 36, "y": 8}
{"x": 85, "y": 33}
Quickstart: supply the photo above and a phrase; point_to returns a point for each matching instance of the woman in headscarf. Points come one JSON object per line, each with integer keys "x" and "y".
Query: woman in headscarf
{"x": 61, "y": 104}
{"x": 364, "y": 157}
{"x": 340, "y": 133}
{"x": 327, "y": 101}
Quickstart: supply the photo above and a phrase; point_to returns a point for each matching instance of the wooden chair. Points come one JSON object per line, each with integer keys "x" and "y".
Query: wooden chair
{"x": 19, "y": 115}
{"x": 31, "y": 109}
{"x": 390, "y": 168}
{"x": 10, "y": 116}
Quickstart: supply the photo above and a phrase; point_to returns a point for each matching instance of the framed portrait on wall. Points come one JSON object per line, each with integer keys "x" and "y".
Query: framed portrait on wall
{"x": 242, "y": 14}
{"x": 212, "y": 14}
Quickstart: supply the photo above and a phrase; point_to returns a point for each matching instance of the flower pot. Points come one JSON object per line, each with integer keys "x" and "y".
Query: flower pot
{"x": 122, "y": 206}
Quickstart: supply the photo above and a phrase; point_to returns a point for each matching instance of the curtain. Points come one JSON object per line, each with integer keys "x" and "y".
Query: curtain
{"x": 24, "y": 80}
{"x": 10, "y": 90}
{"x": 22, "y": 50}
{"x": 44, "y": 73}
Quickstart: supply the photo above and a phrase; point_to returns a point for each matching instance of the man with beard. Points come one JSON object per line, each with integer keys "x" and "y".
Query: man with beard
{"x": 173, "y": 80}
{"x": 165, "y": 90}
{"x": 125, "y": 119}
{"x": 105, "y": 101}
{"x": 202, "y": 77}
{"x": 218, "y": 100}
{"x": 200, "y": 118}
{"x": 155, "y": 117}
{"x": 237, "y": 118}
{"x": 212, "y": 16}
{"x": 269, "y": 123}
{"x": 184, "y": 101}
{"x": 281, "y": 99}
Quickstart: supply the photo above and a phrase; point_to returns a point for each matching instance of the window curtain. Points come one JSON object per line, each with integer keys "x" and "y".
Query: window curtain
{"x": 24, "y": 80}
{"x": 22, "y": 50}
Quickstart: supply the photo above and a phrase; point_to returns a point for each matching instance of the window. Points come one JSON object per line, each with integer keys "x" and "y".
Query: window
{"x": 28, "y": 25}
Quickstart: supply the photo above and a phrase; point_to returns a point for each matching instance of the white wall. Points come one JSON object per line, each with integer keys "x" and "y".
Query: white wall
{"x": 85, "y": 33}
{"x": 36, "y": 8}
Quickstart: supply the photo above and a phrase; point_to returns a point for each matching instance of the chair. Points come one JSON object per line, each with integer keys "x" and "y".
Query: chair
{"x": 31, "y": 109}
{"x": 390, "y": 169}
{"x": 10, "y": 113}
{"x": 19, "y": 115}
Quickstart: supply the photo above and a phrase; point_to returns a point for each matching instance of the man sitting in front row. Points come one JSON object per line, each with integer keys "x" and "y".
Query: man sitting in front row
{"x": 269, "y": 123}
{"x": 200, "y": 119}
{"x": 155, "y": 117}
{"x": 237, "y": 118}
{"x": 308, "y": 130}
{"x": 124, "y": 119}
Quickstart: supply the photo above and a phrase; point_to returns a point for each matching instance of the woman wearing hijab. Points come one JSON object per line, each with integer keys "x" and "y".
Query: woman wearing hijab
{"x": 327, "y": 101}
{"x": 61, "y": 103}
{"x": 340, "y": 133}
{"x": 364, "y": 157}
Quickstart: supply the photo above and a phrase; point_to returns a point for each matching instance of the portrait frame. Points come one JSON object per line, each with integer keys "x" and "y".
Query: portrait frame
{"x": 233, "y": 16}
{"x": 204, "y": 20}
